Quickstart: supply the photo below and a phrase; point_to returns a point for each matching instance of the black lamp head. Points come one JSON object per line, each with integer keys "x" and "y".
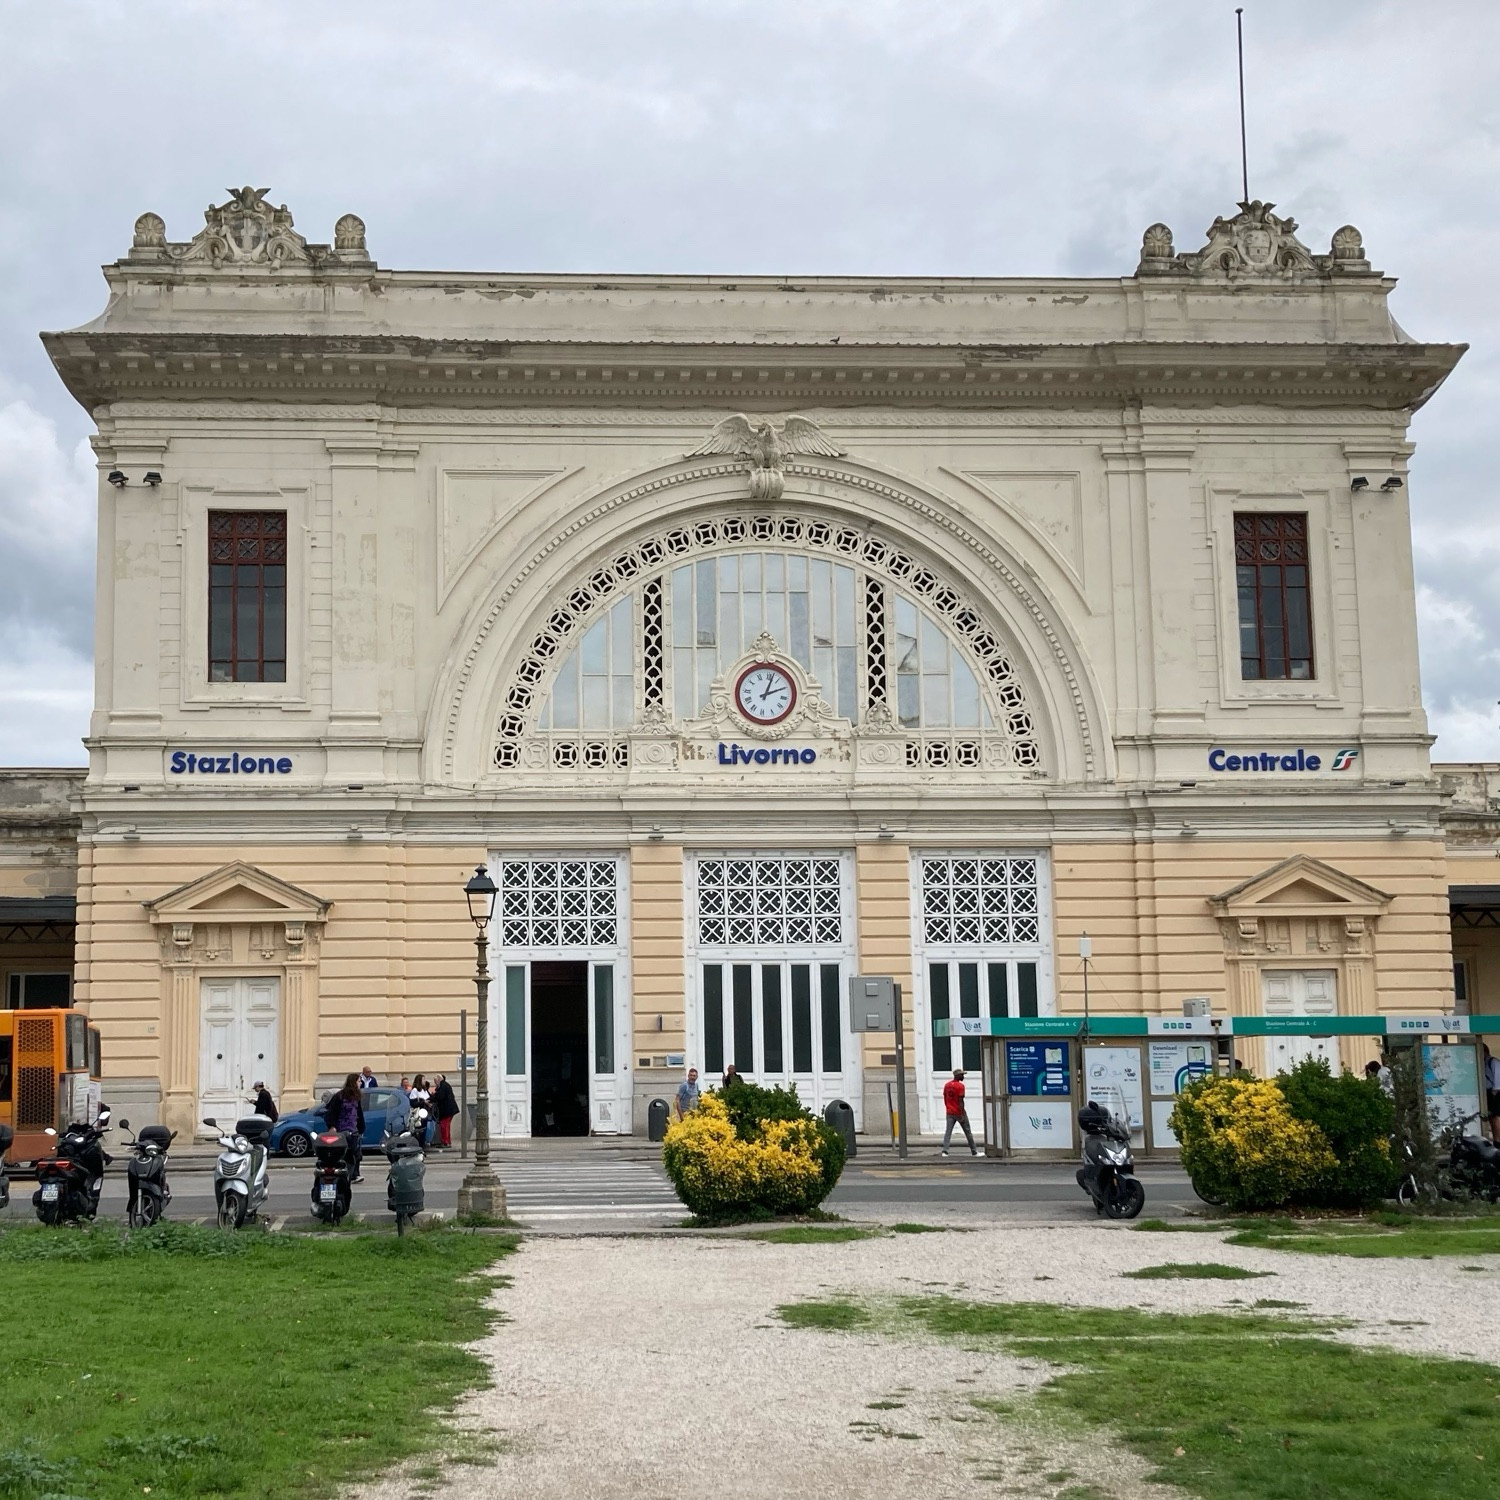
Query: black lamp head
{"x": 481, "y": 892}
{"x": 1358, "y": 483}
{"x": 1393, "y": 483}
{"x": 117, "y": 479}
{"x": 151, "y": 477}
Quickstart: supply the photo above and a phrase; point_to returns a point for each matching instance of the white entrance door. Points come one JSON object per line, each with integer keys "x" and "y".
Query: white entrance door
{"x": 1299, "y": 992}
{"x": 241, "y": 1021}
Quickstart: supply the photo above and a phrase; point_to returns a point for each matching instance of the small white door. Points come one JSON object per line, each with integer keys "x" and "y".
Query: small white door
{"x": 510, "y": 1054}
{"x": 1299, "y": 992}
{"x": 241, "y": 1024}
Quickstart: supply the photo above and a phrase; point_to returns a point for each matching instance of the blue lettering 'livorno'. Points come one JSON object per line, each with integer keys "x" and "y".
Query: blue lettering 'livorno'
{"x": 781, "y": 755}
{"x": 198, "y": 763}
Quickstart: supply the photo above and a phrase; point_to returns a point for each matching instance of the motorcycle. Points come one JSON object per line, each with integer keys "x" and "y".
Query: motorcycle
{"x": 332, "y": 1188}
{"x": 404, "y": 1192}
{"x": 7, "y": 1135}
{"x": 242, "y": 1174}
{"x": 69, "y": 1183}
{"x": 1108, "y": 1171}
{"x": 149, "y": 1193}
{"x": 1473, "y": 1165}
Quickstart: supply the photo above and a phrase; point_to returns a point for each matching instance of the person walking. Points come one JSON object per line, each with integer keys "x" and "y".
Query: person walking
{"x": 958, "y": 1114}
{"x": 447, "y": 1107}
{"x": 688, "y": 1094}
{"x": 346, "y": 1113}
{"x": 264, "y": 1103}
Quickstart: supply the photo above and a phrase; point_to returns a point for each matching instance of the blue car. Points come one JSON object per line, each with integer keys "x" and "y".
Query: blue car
{"x": 292, "y": 1135}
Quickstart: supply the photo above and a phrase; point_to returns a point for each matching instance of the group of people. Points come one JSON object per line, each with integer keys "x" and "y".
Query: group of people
{"x": 689, "y": 1093}
{"x": 345, "y": 1109}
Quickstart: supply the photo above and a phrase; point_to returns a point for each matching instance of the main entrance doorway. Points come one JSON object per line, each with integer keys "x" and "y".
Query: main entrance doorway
{"x": 238, "y": 1044}
{"x": 559, "y": 1049}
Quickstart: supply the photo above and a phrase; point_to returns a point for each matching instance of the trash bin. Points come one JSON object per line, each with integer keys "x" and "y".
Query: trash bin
{"x": 841, "y": 1117}
{"x": 657, "y": 1115}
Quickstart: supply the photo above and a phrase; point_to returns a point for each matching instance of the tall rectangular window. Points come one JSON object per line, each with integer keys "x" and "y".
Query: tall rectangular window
{"x": 1271, "y": 572}
{"x": 247, "y": 596}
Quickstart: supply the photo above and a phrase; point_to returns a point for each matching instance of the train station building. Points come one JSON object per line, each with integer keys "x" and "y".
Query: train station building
{"x": 754, "y": 632}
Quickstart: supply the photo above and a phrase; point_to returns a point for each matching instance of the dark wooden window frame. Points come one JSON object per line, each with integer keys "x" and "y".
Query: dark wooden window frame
{"x": 1273, "y": 586}
{"x": 247, "y": 595}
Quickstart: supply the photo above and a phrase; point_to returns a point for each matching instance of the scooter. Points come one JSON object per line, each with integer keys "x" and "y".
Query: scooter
{"x": 7, "y": 1135}
{"x": 149, "y": 1193}
{"x": 242, "y": 1174}
{"x": 405, "y": 1194}
{"x": 69, "y": 1183}
{"x": 1108, "y": 1171}
{"x": 332, "y": 1188}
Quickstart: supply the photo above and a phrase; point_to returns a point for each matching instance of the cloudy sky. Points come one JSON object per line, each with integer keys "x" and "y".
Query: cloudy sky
{"x": 1013, "y": 137}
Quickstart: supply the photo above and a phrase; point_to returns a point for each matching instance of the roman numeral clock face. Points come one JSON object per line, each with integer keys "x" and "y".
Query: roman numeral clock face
{"x": 765, "y": 694}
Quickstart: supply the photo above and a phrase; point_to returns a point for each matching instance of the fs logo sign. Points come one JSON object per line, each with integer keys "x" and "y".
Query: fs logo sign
{"x": 1343, "y": 760}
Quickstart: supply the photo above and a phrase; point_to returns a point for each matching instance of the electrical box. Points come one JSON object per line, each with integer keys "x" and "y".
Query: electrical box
{"x": 872, "y": 1003}
{"x": 1196, "y": 1005}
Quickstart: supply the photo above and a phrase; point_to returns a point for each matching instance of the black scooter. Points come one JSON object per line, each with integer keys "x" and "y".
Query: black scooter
{"x": 405, "y": 1194}
{"x": 332, "y": 1188}
{"x": 149, "y": 1193}
{"x": 69, "y": 1183}
{"x": 1108, "y": 1171}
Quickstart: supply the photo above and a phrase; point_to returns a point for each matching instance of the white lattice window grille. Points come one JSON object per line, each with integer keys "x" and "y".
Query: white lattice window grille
{"x": 559, "y": 903}
{"x": 981, "y": 900}
{"x": 758, "y": 901}
{"x": 677, "y": 671}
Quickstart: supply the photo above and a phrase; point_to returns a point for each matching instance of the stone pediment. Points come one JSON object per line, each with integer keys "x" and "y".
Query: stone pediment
{"x": 1301, "y": 886}
{"x": 237, "y": 893}
{"x": 1255, "y": 244}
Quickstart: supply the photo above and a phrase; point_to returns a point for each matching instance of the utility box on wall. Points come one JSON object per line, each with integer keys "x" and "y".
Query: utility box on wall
{"x": 872, "y": 1003}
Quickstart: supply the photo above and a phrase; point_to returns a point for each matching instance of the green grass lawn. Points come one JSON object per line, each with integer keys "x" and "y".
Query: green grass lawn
{"x": 1202, "y": 1270}
{"x": 1381, "y": 1237}
{"x": 812, "y": 1234}
{"x": 200, "y": 1363}
{"x": 1231, "y": 1406}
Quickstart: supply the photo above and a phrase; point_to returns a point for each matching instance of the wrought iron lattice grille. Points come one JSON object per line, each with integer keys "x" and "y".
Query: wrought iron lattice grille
{"x": 981, "y": 899}
{"x": 875, "y": 683}
{"x": 559, "y": 903}
{"x": 757, "y": 901}
{"x": 653, "y": 676}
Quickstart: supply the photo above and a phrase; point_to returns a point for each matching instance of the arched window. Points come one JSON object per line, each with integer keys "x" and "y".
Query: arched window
{"x": 894, "y": 649}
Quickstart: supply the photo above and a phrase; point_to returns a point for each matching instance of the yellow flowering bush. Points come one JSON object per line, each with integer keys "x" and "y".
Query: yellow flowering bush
{"x": 1243, "y": 1146}
{"x": 778, "y": 1166}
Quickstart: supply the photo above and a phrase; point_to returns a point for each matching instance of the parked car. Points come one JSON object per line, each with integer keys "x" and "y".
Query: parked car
{"x": 292, "y": 1135}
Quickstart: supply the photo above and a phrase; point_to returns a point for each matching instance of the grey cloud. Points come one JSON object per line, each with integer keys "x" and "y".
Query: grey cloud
{"x": 782, "y": 135}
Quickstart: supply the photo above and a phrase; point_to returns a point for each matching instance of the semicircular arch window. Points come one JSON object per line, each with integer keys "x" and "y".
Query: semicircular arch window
{"x": 644, "y": 640}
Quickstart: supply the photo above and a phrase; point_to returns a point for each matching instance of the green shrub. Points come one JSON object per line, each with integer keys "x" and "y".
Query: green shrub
{"x": 1356, "y": 1118}
{"x": 747, "y": 1165}
{"x": 1242, "y": 1145}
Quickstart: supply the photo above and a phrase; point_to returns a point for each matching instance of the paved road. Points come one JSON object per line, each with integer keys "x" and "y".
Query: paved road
{"x": 581, "y": 1185}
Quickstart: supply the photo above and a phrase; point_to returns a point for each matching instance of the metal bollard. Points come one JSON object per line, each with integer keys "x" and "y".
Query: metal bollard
{"x": 657, "y": 1115}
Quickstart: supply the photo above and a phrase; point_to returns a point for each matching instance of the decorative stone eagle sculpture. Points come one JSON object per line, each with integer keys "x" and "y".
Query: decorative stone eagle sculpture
{"x": 767, "y": 444}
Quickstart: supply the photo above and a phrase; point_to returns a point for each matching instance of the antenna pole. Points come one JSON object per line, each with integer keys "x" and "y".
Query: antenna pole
{"x": 1239, "y": 33}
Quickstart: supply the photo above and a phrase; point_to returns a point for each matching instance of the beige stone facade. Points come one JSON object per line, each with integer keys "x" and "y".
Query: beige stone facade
{"x": 756, "y": 633}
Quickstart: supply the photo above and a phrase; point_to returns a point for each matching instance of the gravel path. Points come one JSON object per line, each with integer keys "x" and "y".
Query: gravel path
{"x": 651, "y": 1367}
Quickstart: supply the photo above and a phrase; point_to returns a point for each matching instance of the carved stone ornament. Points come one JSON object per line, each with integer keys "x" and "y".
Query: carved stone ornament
{"x": 1254, "y": 244}
{"x": 249, "y": 231}
{"x": 767, "y": 445}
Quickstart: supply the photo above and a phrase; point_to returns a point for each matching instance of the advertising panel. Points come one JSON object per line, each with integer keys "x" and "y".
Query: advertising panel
{"x": 1112, "y": 1077}
{"x": 1037, "y": 1069}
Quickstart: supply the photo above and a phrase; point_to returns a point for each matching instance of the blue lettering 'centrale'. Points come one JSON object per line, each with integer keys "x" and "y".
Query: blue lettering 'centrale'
{"x": 1300, "y": 759}
{"x": 197, "y": 763}
{"x": 781, "y": 755}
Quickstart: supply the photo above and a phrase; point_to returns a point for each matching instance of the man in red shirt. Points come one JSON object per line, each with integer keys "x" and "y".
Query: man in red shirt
{"x": 953, "y": 1103}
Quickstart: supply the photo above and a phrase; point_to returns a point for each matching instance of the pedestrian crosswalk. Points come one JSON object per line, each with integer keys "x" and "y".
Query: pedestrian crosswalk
{"x": 550, "y": 1191}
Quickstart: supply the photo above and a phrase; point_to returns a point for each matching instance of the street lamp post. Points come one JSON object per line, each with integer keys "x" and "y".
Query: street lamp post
{"x": 481, "y": 1192}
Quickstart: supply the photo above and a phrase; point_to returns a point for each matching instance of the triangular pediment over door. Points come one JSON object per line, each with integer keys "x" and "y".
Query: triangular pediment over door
{"x": 1301, "y": 887}
{"x": 235, "y": 894}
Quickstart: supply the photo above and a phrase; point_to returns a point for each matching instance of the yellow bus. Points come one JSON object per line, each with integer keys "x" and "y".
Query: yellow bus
{"x": 49, "y": 1075}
